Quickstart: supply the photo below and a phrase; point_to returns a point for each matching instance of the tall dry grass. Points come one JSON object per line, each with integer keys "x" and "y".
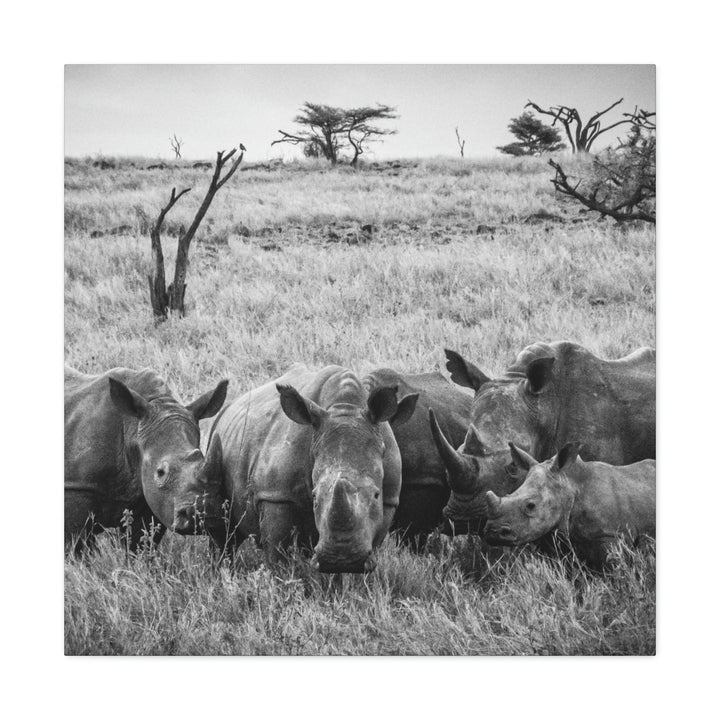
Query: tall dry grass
{"x": 281, "y": 273}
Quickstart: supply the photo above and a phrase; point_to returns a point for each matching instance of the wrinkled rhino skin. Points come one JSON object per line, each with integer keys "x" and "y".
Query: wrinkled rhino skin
{"x": 560, "y": 392}
{"x": 130, "y": 444}
{"x": 425, "y": 489}
{"x": 589, "y": 503}
{"x": 552, "y": 394}
{"x": 313, "y": 452}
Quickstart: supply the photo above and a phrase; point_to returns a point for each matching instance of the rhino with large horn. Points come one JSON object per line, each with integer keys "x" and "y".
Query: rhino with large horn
{"x": 313, "y": 452}
{"x": 554, "y": 393}
{"x": 470, "y": 476}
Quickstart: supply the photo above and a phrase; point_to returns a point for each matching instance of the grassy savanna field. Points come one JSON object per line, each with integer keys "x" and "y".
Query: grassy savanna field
{"x": 281, "y": 272}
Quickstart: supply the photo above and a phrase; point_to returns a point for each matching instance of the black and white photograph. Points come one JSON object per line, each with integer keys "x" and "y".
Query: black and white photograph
{"x": 359, "y": 359}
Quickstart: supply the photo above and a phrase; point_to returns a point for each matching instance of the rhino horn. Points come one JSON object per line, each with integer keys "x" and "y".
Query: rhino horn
{"x": 341, "y": 511}
{"x": 211, "y": 471}
{"x": 461, "y": 477}
{"x": 493, "y": 503}
{"x": 473, "y": 444}
{"x": 521, "y": 458}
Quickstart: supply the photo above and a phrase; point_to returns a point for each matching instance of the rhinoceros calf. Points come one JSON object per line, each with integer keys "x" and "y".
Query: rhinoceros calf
{"x": 425, "y": 489}
{"x": 551, "y": 395}
{"x": 130, "y": 444}
{"x": 590, "y": 503}
{"x": 312, "y": 451}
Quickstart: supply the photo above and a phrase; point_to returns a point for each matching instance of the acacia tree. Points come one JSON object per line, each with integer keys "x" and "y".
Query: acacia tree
{"x": 621, "y": 181}
{"x": 533, "y": 137}
{"x": 172, "y": 298}
{"x": 580, "y": 135}
{"x": 326, "y": 130}
{"x": 360, "y": 130}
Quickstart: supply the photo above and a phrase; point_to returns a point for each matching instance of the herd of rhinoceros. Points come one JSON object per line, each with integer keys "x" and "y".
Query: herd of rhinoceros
{"x": 563, "y": 441}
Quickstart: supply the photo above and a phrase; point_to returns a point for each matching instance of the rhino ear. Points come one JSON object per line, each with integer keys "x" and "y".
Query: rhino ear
{"x": 405, "y": 409}
{"x": 539, "y": 374}
{"x": 300, "y": 409}
{"x": 127, "y": 401}
{"x": 567, "y": 456}
{"x": 521, "y": 458}
{"x": 210, "y": 403}
{"x": 464, "y": 373}
{"x": 473, "y": 444}
{"x": 382, "y": 404}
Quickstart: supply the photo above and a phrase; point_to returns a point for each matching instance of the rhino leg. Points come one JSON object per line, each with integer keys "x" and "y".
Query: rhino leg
{"x": 419, "y": 513}
{"x": 603, "y": 554}
{"x": 80, "y": 526}
{"x": 278, "y": 520}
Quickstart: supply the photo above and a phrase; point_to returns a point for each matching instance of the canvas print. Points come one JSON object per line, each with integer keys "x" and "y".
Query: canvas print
{"x": 359, "y": 360}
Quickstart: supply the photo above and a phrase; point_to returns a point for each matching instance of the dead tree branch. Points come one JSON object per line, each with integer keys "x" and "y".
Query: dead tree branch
{"x": 172, "y": 299}
{"x": 176, "y": 143}
{"x": 580, "y": 135}
{"x": 158, "y": 293}
{"x": 622, "y": 212}
{"x": 460, "y": 143}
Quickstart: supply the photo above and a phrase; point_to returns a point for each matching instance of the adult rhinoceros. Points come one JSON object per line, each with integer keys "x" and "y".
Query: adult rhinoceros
{"x": 551, "y": 395}
{"x": 130, "y": 444}
{"x": 312, "y": 451}
{"x": 588, "y": 503}
{"x": 424, "y": 490}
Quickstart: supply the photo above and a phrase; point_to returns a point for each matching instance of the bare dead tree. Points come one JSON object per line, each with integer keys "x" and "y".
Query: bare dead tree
{"x": 460, "y": 143}
{"x": 172, "y": 299}
{"x": 580, "y": 135}
{"x": 176, "y": 143}
{"x": 622, "y": 183}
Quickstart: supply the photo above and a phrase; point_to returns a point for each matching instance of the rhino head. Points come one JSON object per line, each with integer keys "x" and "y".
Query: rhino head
{"x": 349, "y": 458}
{"x": 522, "y": 405}
{"x": 541, "y": 504}
{"x": 472, "y": 470}
{"x": 180, "y": 484}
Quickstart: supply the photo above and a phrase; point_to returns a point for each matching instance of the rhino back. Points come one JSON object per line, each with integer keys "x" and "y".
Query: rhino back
{"x": 611, "y": 402}
{"x": 607, "y": 405}
{"x": 614, "y": 499}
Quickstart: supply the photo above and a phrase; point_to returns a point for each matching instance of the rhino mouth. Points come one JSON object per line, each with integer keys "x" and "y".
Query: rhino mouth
{"x": 363, "y": 564}
{"x": 188, "y": 522}
{"x": 500, "y": 534}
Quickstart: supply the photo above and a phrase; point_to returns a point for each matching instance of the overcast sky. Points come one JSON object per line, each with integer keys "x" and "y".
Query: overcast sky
{"x": 133, "y": 109}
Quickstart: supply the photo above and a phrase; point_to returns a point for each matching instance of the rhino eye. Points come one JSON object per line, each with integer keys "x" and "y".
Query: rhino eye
{"x": 161, "y": 473}
{"x": 529, "y": 506}
{"x": 376, "y": 495}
